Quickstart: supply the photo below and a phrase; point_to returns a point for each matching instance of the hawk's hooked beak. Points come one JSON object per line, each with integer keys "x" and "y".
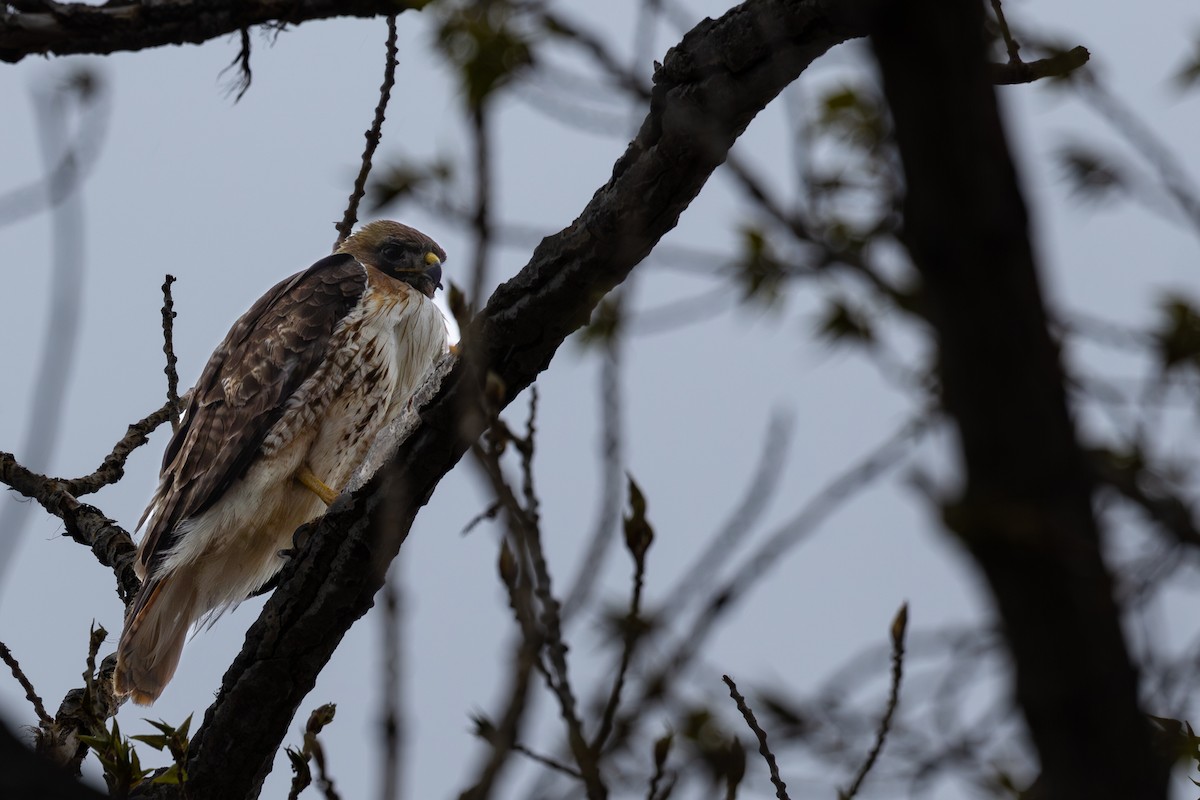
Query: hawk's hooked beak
{"x": 433, "y": 272}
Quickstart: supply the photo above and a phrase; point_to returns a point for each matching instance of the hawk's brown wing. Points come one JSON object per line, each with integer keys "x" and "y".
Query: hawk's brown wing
{"x": 264, "y": 359}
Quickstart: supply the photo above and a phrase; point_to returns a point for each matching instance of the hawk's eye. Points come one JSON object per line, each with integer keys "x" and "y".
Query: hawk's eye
{"x": 391, "y": 252}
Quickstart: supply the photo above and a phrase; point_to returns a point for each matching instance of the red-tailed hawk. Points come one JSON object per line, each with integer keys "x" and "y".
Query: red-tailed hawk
{"x": 285, "y": 409}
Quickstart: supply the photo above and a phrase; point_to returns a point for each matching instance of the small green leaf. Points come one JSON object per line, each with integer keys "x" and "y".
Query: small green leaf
{"x": 97, "y": 743}
{"x": 163, "y": 726}
{"x": 174, "y": 776}
{"x": 182, "y": 730}
{"x": 154, "y": 740}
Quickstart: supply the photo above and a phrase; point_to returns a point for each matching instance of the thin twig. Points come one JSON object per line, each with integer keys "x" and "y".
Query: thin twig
{"x": 670, "y": 316}
{"x": 313, "y": 751}
{"x": 324, "y": 779}
{"x": 1170, "y": 512}
{"x": 600, "y": 52}
{"x": 240, "y": 84}
{"x": 1058, "y": 65}
{"x": 524, "y": 526}
{"x": 632, "y": 635}
{"x": 898, "y": 629}
{"x": 1010, "y": 43}
{"x": 482, "y": 219}
{"x": 503, "y": 736}
{"x": 111, "y": 544}
{"x": 168, "y": 326}
{"x": 633, "y": 625}
{"x": 96, "y": 637}
{"x": 763, "y": 749}
{"x": 373, "y": 136}
{"x": 553, "y": 764}
{"x": 587, "y": 572}
{"x": 393, "y": 722}
{"x": 662, "y": 750}
{"x": 526, "y": 449}
{"x": 112, "y": 468}
{"x": 741, "y": 522}
{"x": 556, "y": 651}
{"x": 723, "y": 599}
{"x": 84, "y": 710}
{"x": 1143, "y": 139}
{"x": 488, "y": 513}
{"x": 44, "y": 718}
{"x": 505, "y": 733}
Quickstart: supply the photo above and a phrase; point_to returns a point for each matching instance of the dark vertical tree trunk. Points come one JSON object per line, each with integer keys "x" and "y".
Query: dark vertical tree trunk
{"x": 1025, "y": 514}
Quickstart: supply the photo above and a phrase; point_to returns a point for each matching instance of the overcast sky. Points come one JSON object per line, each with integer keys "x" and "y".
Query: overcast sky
{"x": 230, "y": 198}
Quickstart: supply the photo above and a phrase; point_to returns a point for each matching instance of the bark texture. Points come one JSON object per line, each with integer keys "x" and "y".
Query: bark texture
{"x": 34, "y": 27}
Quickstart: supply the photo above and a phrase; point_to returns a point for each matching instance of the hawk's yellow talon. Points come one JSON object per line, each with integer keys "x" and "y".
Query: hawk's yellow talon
{"x": 316, "y": 485}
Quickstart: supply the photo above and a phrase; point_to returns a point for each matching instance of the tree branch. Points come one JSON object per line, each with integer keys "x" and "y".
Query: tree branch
{"x": 1025, "y": 513}
{"x": 709, "y": 88}
{"x": 761, "y": 735}
{"x": 85, "y": 524}
{"x": 373, "y": 135}
{"x": 70, "y": 28}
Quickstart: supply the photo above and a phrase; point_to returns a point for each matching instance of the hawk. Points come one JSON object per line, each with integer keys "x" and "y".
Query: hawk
{"x": 283, "y": 413}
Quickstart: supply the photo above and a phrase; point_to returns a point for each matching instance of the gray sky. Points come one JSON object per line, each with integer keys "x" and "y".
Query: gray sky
{"x": 230, "y": 198}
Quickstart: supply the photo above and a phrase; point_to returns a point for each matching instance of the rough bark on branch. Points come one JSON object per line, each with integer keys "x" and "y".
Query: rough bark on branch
{"x": 85, "y": 524}
{"x": 1025, "y": 514}
{"x": 70, "y": 28}
{"x": 709, "y": 88}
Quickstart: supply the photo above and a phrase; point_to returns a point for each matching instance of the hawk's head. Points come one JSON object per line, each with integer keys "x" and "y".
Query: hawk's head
{"x": 400, "y": 251}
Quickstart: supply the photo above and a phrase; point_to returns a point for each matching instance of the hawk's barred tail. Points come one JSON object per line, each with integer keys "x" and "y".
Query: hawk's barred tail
{"x": 153, "y": 638}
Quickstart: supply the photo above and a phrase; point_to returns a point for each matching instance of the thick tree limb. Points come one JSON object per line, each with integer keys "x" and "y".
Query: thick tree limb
{"x": 68, "y": 28}
{"x": 709, "y": 88}
{"x": 86, "y": 524}
{"x": 1025, "y": 514}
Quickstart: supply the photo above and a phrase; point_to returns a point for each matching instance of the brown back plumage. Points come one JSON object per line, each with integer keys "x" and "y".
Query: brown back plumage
{"x": 244, "y": 388}
{"x": 268, "y": 383}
